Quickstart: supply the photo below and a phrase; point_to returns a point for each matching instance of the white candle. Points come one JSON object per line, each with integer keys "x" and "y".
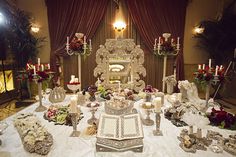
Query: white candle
{"x": 221, "y": 67}
{"x": 158, "y": 104}
{"x": 90, "y": 44}
{"x": 98, "y": 82}
{"x": 84, "y": 39}
{"x": 34, "y": 70}
{"x": 72, "y": 78}
{"x": 155, "y": 42}
{"x": 159, "y": 40}
{"x": 59, "y": 69}
{"x": 209, "y": 63}
{"x": 76, "y": 80}
{"x": 172, "y": 40}
{"x": 67, "y": 40}
{"x": 216, "y": 72}
{"x": 148, "y": 104}
{"x": 38, "y": 61}
{"x": 203, "y": 66}
{"x": 42, "y": 67}
{"x": 48, "y": 66}
{"x": 178, "y": 41}
{"x": 199, "y": 66}
{"x": 73, "y": 104}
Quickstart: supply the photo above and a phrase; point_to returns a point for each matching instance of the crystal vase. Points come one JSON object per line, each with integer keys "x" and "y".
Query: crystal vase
{"x": 40, "y": 108}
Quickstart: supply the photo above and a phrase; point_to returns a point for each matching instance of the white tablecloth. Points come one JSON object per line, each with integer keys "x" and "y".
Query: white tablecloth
{"x": 65, "y": 146}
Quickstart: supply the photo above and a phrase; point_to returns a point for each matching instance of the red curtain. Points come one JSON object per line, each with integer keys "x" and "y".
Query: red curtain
{"x": 66, "y": 17}
{"x": 155, "y": 17}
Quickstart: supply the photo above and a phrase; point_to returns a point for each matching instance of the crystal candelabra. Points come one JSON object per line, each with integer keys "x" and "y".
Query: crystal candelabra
{"x": 166, "y": 48}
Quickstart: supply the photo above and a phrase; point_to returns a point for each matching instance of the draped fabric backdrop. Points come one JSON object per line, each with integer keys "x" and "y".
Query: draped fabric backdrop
{"x": 154, "y": 17}
{"x": 66, "y": 17}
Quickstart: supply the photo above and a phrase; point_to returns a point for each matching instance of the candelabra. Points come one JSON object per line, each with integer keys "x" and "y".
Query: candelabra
{"x": 79, "y": 46}
{"x": 166, "y": 48}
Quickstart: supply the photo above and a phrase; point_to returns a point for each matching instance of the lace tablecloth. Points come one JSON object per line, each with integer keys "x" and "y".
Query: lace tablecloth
{"x": 65, "y": 146}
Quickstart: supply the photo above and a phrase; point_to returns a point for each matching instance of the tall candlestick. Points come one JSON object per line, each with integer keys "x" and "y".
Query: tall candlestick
{"x": 209, "y": 63}
{"x": 216, "y": 72}
{"x": 34, "y": 70}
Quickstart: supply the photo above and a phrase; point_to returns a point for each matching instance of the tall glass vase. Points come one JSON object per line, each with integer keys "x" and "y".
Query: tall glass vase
{"x": 207, "y": 93}
{"x": 40, "y": 108}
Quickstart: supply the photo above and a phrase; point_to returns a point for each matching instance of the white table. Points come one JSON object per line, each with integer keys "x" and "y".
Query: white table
{"x": 65, "y": 146}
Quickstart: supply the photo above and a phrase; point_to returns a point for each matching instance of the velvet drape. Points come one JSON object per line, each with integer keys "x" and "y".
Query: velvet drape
{"x": 154, "y": 17}
{"x": 66, "y": 17}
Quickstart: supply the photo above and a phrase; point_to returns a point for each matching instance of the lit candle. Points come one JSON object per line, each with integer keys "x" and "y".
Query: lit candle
{"x": 203, "y": 66}
{"x": 178, "y": 41}
{"x": 84, "y": 39}
{"x": 148, "y": 104}
{"x": 158, "y": 104}
{"x": 48, "y": 66}
{"x": 76, "y": 80}
{"x": 221, "y": 67}
{"x": 199, "y": 66}
{"x": 155, "y": 42}
{"x": 216, "y": 72}
{"x": 172, "y": 40}
{"x": 72, "y": 78}
{"x": 42, "y": 67}
{"x": 73, "y": 104}
{"x": 67, "y": 40}
{"x": 159, "y": 41}
{"x": 34, "y": 70}
{"x": 38, "y": 61}
{"x": 59, "y": 69}
{"x": 90, "y": 44}
{"x": 209, "y": 63}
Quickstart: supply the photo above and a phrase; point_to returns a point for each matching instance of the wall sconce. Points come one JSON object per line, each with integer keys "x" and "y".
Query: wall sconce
{"x": 198, "y": 30}
{"x": 35, "y": 28}
{"x": 119, "y": 26}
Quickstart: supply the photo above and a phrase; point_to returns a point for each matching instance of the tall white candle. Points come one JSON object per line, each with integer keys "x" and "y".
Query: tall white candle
{"x": 48, "y": 66}
{"x": 178, "y": 41}
{"x": 158, "y": 104}
{"x": 67, "y": 40}
{"x": 172, "y": 40}
{"x": 159, "y": 40}
{"x": 221, "y": 67}
{"x": 34, "y": 70}
{"x": 90, "y": 44}
{"x": 73, "y": 104}
{"x": 216, "y": 72}
{"x": 84, "y": 39}
{"x": 38, "y": 61}
{"x": 209, "y": 63}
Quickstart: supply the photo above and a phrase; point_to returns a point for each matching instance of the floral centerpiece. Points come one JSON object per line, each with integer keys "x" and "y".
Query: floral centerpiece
{"x": 171, "y": 82}
{"x": 149, "y": 90}
{"x": 78, "y": 45}
{"x": 207, "y": 73}
{"x": 222, "y": 119}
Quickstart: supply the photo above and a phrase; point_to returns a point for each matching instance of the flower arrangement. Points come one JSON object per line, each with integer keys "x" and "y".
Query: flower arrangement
{"x": 78, "y": 45}
{"x": 150, "y": 89}
{"x": 39, "y": 72}
{"x": 222, "y": 119}
{"x": 207, "y": 73}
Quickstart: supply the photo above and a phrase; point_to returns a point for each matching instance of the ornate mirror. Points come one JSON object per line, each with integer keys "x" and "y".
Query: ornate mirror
{"x": 120, "y": 63}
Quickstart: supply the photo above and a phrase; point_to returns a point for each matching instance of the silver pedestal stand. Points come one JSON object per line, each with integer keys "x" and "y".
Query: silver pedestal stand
{"x": 74, "y": 120}
{"x": 158, "y": 132}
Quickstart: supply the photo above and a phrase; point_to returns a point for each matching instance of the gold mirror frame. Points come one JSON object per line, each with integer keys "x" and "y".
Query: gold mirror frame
{"x": 123, "y": 52}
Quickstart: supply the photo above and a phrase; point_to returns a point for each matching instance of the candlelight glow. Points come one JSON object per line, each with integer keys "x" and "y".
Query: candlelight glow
{"x": 198, "y": 30}
{"x": 35, "y": 29}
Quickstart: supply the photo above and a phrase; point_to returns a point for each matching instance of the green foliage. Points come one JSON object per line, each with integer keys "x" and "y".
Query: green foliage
{"x": 219, "y": 36}
{"x": 18, "y": 37}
